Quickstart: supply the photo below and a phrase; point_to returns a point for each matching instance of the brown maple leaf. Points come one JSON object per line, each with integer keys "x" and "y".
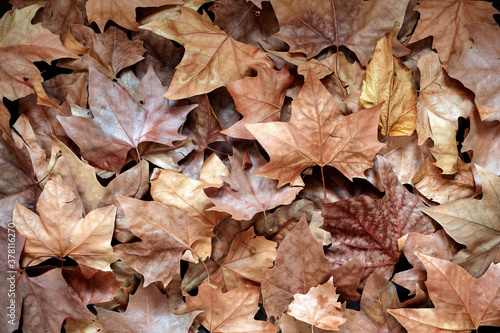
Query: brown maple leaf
{"x": 243, "y": 194}
{"x": 477, "y": 67}
{"x": 212, "y": 58}
{"x": 446, "y": 20}
{"x": 225, "y": 312}
{"x": 474, "y": 223}
{"x": 166, "y": 233}
{"x": 462, "y": 303}
{"x": 60, "y": 229}
{"x": 259, "y": 99}
{"x": 147, "y": 311}
{"x": 244, "y": 262}
{"x": 121, "y": 123}
{"x": 21, "y": 44}
{"x": 300, "y": 264}
{"x": 372, "y": 227}
{"x": 318, "y": 134}
{"x": 355, "y": 24}
{"x": 108, "y": 52}
{"x": 121, "y": 11}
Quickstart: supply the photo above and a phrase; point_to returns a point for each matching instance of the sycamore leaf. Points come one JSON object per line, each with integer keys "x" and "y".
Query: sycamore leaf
{"x": 347, "y": 277}
{"x": 319, "y": 307}
{"x": 60, "y": 229}
{"x": 481, "y": 76}
{"x": 259, "y": 99}
{"x": 121, "y": 11}
{"x": 442, "y": 100}
{"x": 82, "y": 180}
{"x": 355, "y": 24}
{"x": 243, "y": 194}
{"x": 318, "y": 134}
{"x": 166, "y": 232}
{"x": 147, "y": 311}
{"x": 474, "y": 223}
{"x": 438, "y": 245}
{"x": 484, "y": 142}
{"x": 462, "y": 302}
{"x": 212, "y": 58}
{"x": 21, "y": 44}
{"x": 244, "y": 264}
{"x": 388, "y": 80}
{"x": 372, "y": 227}
{"x": 99, "y": 287}
{"x": 443, "y": 188}
{"x": 378, "y": 296}
{"x": 300, "y": 264}
{"x": 48, "y": 301}
{"x": 228, "y": 312}
{"x": 445, "y": 20}
{"x": 108, "y": 52}
{"x": 17, "y": 182}
{"x": 121, "y": 123}
{"x": 59, "y": 15}
{"x": 176, "y": 190}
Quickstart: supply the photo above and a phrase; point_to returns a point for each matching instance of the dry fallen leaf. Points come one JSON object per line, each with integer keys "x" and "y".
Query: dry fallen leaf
{"x": 319, "y": 307}
{"x": 389, "y": 81}
{"x": 212, "y": 58}
{"x": 462, "y": 303}
{"x": 317, "y": 134}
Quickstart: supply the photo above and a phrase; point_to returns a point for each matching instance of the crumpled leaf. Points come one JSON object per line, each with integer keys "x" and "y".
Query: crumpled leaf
{"x": 445, "y": 188}
{"x": 59, "y": 15}
{"x": 108, "y": 52}
{"x": 355, "y": 24}
{"x": 388, "y": 80}
{"x": 300, "y": 264}
{"x": 147, "y": 311}
{"x": 362, "y": 225}
{"x": 212, "y": 58}
{"x": 317, "y": 134}
{"x": 442, "y": 100}
{"x": 243, "y": 265}
{"x": 166, "y": 232}
{"x": 319, "y": 307}
{"x": 474, "y": 223}
{"x": 378, "y": 296}
{"x": 243, "y": 194}
{"x": 462, "y": 303}
{"x": 48, "y": 301}
{"x": 481, "y": 76}
{"x": 438, "y": 245}
{"x": 259, "y": 99}
{"x": 121, "y": 11}
{"x": 229, "y": 311}
{"x": 446, "y": 20}
{"x": 60, "y": 229}
{"x": 21, "y": 44}
{"x": 121, "y": 123}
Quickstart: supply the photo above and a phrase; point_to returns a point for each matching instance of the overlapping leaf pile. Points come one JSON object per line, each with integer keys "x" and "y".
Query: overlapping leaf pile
{"x": 181, "y": 162}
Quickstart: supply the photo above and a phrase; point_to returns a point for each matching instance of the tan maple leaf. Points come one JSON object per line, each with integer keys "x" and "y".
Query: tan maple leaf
{"x": 121, "y": 11}
{"x": 60, "y": 229}
{"x": 474, "y": 223}
{"x": 462, "y": 302}
{"x": 230, "y": 311}
{"x": 21, "y": 44}
{"x": 212, "y": 58}
{"x": 318, "y": 134}
{"x": 319, "y": 307}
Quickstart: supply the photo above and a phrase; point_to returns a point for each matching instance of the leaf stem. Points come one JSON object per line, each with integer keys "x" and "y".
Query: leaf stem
{"x": 52, "y": 168}
{"x": 324, "y": 186}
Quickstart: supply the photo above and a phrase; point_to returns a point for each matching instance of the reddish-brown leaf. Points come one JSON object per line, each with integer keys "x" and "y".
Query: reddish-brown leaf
{"x": 300, "y": 264}
{"x": 372, "y": 227}
{"x": 120, "y": 122}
